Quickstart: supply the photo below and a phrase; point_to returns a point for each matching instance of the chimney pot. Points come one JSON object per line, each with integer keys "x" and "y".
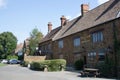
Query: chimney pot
{"x": 49, "y": 27}
{"x": 84, "y": 8}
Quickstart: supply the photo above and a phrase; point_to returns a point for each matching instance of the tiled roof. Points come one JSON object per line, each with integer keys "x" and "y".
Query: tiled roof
{"x": 103, "y": 13}
{"x": 50, "y": 35}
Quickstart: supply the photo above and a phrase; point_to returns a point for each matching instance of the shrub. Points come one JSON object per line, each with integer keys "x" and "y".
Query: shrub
{"x": 79, "y": 64}
{"x": 37, "y": 66}
{"x": 106, "y": 69}
{"x": 12, "y": 57}
{"x": 52, "y": 65}
{"x": 24, "y": 63}
{"x": 56, "y": 65}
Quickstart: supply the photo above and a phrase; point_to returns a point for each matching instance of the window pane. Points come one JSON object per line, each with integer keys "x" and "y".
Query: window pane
{"x": 77, "y": 42}
{"x": 97, "y": 36}
{"x": 101, "y": 55}
{"x": 60, "y": 44}
{"x": 101, "y": 36}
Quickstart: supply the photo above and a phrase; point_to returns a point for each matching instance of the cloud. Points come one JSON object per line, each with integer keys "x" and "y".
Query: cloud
{"x": 102, "y": 1}
{"x": 68, "y": 17}
{"x": 2, "y": 3}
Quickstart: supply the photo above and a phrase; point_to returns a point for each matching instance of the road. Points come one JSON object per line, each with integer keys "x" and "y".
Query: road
{"x": 16, "y": 72}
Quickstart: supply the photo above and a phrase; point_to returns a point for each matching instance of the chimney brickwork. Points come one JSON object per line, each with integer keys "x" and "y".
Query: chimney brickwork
{"x": 49, "y": 27}
{"x": 84, "y": 8}
{"x": 63, "y": 20}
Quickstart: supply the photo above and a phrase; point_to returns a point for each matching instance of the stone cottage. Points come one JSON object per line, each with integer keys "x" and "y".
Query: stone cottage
{"x": 89, "y": 37}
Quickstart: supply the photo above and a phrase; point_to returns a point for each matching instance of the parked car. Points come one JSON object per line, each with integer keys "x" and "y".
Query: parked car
{"x": 13, "y": 61}
{"x": 4, "y": 61}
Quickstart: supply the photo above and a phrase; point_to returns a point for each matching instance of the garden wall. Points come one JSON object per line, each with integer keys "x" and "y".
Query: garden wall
{"x": 34, "y": 58}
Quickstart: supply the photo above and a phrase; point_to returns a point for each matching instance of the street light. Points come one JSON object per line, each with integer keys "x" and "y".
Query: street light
{"x": 40, "y": 52}
{"x": 36, "y": 48}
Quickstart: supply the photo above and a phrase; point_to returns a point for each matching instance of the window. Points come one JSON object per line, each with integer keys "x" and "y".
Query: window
{"x": 45, "y": 48}
{"x": 97, "y": 36}
{"x": 118, "y": 15}
{"x": 92, "y": 55}
{"x": 76, "y": 42}
{"x": 97, "y": 55}
{"x": 60, "y": 43}
{"x": 49, "y": 48}
{"x": 101, "y": 55}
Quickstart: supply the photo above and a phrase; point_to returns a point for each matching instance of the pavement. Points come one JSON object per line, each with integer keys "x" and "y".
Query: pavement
{"x": 16, "y": 72}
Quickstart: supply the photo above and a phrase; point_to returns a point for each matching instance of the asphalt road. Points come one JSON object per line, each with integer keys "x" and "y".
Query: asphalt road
{"x": 16, "y": 72}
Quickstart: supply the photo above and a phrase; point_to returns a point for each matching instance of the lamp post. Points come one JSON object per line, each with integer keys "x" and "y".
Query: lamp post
{"x": 36, "y": 48}
{"x": 40, "y": 52}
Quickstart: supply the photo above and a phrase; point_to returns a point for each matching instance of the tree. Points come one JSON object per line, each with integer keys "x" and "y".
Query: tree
{"x": 35, "y": 37}
{"x": 8, "y": 44}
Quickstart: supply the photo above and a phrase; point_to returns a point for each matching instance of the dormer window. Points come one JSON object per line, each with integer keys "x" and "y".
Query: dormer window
{"x": 118, "y": 15}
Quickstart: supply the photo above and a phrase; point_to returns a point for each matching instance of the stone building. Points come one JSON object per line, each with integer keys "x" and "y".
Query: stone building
{"x": 89, "y": 37}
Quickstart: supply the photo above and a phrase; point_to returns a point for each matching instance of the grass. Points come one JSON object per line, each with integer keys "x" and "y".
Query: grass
{"x": 2, "y": 64}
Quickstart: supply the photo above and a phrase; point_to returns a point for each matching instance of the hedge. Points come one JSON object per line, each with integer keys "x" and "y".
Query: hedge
{"x": 24, "y": 63}
{"x": 52, "y": 65}
{"x": 12, "y": 57}
{"x": 79, "y": 64}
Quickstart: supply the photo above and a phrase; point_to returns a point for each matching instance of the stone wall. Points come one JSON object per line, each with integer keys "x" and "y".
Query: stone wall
{"x": 71, "y": 54}
{"x": 34, "y": 58}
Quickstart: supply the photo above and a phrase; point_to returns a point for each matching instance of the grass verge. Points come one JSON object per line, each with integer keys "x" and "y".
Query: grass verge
{"x": 2, "y": 64}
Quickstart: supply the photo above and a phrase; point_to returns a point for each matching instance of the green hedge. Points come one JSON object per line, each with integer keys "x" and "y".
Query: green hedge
{"x": 12, "y": 57}
{"x": 24, "y": 63}
{"x": 52, "y": 65}
{"x": 79, "y": 64}
{"x": 107, "y": 69}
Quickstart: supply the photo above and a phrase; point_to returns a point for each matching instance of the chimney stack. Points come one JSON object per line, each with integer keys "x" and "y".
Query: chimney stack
{"x": 63, "y": 20}
{"x": 49, "y": 27}
{"x": 84, "y": 8}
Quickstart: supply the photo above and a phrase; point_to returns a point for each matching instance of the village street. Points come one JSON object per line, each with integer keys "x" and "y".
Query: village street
{"x": 16, "y": 72}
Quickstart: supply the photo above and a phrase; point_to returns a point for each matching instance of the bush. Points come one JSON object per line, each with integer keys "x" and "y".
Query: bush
{"x": 37, "y": 66}
{"x": 12, "y": 57}
{"x": 79, "y": 64}
{"x": 52, "y": 65}
{"x": 106, "y": 69}
{"x": 24, "y": 63}
{"x": 56, "y": 65}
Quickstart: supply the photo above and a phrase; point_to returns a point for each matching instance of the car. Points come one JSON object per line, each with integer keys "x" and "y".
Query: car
{"x": 13, "y": 61}
{"x": 4, "y": 61}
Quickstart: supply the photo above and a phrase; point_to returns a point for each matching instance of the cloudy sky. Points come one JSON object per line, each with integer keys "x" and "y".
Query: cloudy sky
{"x": 21, "y": 16}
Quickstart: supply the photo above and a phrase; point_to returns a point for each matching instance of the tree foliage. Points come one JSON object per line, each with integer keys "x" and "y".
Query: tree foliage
{"x": 35, "y": 37}
{"x": 8, "y": 44}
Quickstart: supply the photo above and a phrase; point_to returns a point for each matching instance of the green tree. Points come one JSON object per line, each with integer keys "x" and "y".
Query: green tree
{"x": 35, "y": 37}
{"x": 8, "y": 44}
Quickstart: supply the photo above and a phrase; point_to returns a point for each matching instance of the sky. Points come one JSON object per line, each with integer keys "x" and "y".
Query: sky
{"x": 21, "y": 16}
